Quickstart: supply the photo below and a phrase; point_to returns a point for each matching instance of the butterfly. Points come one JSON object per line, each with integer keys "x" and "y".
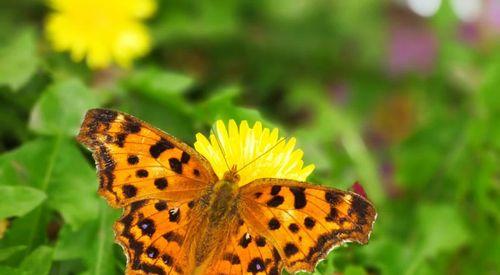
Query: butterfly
{"x": 180, "y": 218}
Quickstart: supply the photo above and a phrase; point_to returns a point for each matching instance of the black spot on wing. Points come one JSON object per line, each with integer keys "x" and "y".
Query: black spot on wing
{"x": 333, "y": 197}
{"x": 232, "y": 258}
{"x": 131, "y": 126}
{"x": 245, "y": 240}
{"x": 299, "y": 197}
{"x": 274, "y": 224}
{"x": 129, "y": 191}
{"x": 161, "y": 205}
{"x": 260, "y": 241}
{"x": 104, "y": 116}
{"x": 152, "y": 252}
{"x": 132, "y": 159}
{"x": 147, "y": 227}
{"x": 309, "y": 222}
{"x": 175, "y": 165}
{"x": 196, "y": 172}
{"x": 293, "y": 227}
{"x": 256, "y": 265}
{"x": 359, "y": 208}
{"x": 275, "y": 201}
{"x": 185, "y": 157}
{"x": 159, "y": 147}
{"x": 167, "y": 259}
{"x": 275, "y": 190}
{"x": 174, "y": 215}
{"x": 290, "y": 250}
{"x": 161, "y": 183}
{"x": 120, "y": 139}
{"x": 142, "y": 173}
{"x": 333, "y": 215}
{"x": 152, "y": 269}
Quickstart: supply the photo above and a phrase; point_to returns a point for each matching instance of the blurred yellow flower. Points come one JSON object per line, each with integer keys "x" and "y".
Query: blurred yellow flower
{"x": 242, "y": 145}
{"x": 4, "y": 225}
{"x": 103, "y": 32}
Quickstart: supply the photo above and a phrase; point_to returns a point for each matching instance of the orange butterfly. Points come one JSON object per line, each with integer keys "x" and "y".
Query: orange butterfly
{"x": 180, "y": 218}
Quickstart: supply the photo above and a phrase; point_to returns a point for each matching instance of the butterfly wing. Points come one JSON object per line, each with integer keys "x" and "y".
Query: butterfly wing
{"x": 137, "y": 161}
{"x": 245, "y": 252}
{"x": 156, "y": 236}
{"x": 303, "y": 222}
{"x": 157, "y": 178}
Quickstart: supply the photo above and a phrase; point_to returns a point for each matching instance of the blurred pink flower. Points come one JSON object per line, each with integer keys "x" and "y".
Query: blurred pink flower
{"x": 412, "y": 48}
{"x": 492, "y": 16}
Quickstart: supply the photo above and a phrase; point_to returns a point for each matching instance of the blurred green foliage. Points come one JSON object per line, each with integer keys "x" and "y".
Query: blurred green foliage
{"x": 422, "y": 136}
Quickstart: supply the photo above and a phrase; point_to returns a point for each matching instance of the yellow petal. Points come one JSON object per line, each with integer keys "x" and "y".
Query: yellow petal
{"x": 241, "y": 146}
{"x": 103, "y": 32}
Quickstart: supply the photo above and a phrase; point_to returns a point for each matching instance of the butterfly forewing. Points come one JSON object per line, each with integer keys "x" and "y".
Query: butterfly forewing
{"x": 157, "y": 179}
{"x": 137, "y": 161}
{"x": 303, "y": 221}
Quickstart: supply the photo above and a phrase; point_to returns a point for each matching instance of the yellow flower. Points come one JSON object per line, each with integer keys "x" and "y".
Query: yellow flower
{"x": 4, "y": 225}
{"x": 103, "y": 31}
{"x": 241, "y": 146}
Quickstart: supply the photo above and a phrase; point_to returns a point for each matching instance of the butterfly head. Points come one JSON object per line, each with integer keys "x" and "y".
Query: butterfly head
{"x": 232, "y": 175}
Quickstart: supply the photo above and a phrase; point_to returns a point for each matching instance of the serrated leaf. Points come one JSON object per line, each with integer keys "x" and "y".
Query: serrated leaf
{"x": 19, "y": 200}
{"x": 19, "y": 60}
{"x": 60, "y": 109}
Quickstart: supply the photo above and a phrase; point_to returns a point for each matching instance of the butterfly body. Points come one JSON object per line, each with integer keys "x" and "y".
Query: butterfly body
{"x": 220, "y": 212}
{"x": 180, "y": 218}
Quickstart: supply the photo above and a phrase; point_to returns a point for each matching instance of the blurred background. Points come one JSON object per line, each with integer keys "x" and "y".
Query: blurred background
{"x": 402, "y": 96}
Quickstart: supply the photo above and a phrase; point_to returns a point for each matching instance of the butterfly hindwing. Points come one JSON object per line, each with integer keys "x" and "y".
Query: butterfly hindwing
{"x": 246, "y": 252}
{"x": 137, "y": 161}
{"x": 303, "y": 221}
{"x": 157, "y": 236}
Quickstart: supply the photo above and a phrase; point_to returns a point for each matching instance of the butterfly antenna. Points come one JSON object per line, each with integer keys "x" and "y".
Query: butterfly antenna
{"x": 220, "y": 147}
{"x": 261, "y": 155}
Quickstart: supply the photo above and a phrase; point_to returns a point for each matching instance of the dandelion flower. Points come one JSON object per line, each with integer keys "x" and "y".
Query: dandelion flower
{"x": 242, "y": 145}
{"x": 103, "y": 32}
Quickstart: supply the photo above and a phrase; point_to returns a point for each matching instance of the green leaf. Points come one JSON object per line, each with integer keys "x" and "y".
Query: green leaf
{"x": 93, "y": 242}
{"x": 7, "y": 252}
{"x": 11, "y": 270}
{"x": 61, "y": 108}
{"x": 221, "y": 106}
{"x": 158, "y": 83}
{"x": 57, "y": 168}
{"x": 488, "y": 91}
{"x": 354, "y": 270}
{"x": 19, "y": 200}
{"x": 38, "y": 262}
{"x": 165, "y": 88}
{"x": 442, "y": 229}
{"x": 18, "y": 59}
